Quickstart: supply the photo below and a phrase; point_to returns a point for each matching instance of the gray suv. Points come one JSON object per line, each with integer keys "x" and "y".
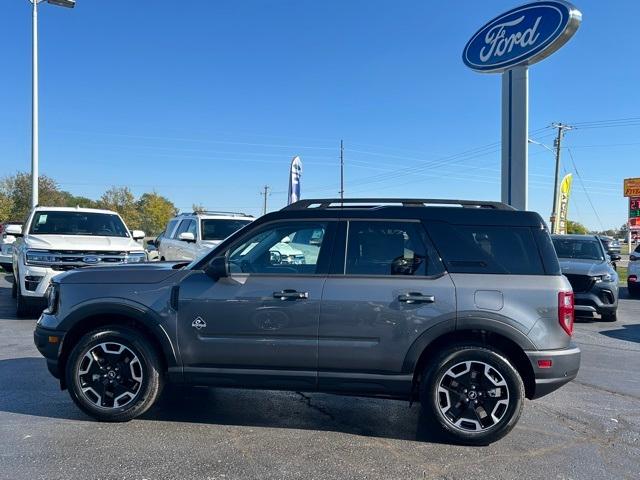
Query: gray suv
{"x": 458, "y": 304}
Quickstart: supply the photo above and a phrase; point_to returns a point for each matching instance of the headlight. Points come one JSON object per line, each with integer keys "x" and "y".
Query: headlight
{"x": 607, "y": 277}
{"x": 135, "y": 257}
{"x": 40, "y": 257}
{"x": 53, "y": 295}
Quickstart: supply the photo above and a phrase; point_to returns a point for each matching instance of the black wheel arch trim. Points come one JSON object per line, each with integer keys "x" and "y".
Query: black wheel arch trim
{"x": 124, "y": 308}
{"x": 487, "y": 322}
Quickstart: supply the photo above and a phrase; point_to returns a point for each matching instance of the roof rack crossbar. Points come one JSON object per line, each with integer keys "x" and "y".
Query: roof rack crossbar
{"x": 324, "y": 203}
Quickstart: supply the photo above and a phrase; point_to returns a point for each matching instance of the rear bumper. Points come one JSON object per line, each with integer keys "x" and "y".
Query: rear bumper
{"x": 48, "y": 342}
{"x": 564, "y": 367}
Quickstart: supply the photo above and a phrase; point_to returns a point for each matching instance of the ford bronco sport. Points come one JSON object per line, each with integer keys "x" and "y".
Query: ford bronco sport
{"x": 459, "y": 304}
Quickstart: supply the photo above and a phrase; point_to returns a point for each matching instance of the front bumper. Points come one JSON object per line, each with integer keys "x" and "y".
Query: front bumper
{"x": 44, "y": 274}
{"x": 601, "y": 298}
{"x": 565, "y": 364}
{"x": 49, "y": 344}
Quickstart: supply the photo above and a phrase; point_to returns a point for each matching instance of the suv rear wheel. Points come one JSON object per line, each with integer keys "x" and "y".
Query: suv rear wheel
{"x": 114, "y": 374}
{"x": 473, "y": 393}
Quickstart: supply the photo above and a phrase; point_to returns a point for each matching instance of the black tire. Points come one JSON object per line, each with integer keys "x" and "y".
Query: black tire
{"x": 24, "y": 308}
{"x": 432, "y": 400}
{"x": 141, "y": 398}
{"x": 609, "y": 317}
{"x": 634, "y": 291}
{"x": 14, "y": 287}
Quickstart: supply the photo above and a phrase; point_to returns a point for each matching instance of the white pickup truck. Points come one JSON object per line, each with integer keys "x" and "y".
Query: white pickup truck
{"x": 56, "y": 239}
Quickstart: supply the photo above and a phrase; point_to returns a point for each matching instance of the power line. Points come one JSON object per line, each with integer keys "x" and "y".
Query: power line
{"x": 585, "y": 189}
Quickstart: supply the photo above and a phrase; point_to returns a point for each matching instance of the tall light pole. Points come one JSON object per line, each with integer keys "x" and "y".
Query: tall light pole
{"x": 34, "y": 95}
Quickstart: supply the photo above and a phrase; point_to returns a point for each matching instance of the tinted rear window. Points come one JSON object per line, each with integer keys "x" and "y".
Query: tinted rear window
{"x": 487, "y": 249}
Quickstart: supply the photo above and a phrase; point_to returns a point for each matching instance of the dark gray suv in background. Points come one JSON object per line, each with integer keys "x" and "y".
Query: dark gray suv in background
{"x": 586, "y": 264}
{"x": 459, "y": 304}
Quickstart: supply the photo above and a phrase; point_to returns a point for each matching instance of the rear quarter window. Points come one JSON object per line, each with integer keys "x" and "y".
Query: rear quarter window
{"x": 487, "y": 249}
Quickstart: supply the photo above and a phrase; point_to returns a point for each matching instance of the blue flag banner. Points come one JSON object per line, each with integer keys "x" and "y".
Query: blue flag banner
{"x": 295, "y": 173}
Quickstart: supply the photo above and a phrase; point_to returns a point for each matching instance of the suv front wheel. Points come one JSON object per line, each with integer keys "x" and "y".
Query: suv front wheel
{"x": 473, "y": 393}
{"x": 114, "y": 374}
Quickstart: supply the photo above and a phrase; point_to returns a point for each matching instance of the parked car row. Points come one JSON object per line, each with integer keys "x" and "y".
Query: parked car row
{"x": 362, "y": 302}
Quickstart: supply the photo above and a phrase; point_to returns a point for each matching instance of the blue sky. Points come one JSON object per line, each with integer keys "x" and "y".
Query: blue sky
{"x": 206, "y": 102}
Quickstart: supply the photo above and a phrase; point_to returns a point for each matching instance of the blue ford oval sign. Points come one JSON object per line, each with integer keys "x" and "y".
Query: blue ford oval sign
{"x": 522, "y": 36}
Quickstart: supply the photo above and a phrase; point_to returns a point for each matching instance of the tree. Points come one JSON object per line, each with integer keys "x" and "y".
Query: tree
{"x": 575, "y": 227}
{"x": 121, "y": 200}
{"x": 15, "y": 195}
{"x": 198, "y": 208}
{"x": 155, "y": 212}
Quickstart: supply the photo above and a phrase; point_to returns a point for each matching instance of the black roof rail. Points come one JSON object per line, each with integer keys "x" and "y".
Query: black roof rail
{"x": 324, "y": 203}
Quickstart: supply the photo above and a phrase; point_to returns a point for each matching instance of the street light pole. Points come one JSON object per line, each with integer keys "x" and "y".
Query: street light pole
{"x": 35, "y": 137}
{"x": 34, "y": 111}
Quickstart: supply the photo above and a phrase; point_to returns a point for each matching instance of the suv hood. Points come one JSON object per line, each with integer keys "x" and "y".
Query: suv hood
{"x": 577, "y": 266}
{"x": 140, "y": 274}
{"x": 82, "y": 242}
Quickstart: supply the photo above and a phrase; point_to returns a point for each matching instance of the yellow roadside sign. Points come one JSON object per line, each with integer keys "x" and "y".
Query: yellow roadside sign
{"x": 631, "y": 187}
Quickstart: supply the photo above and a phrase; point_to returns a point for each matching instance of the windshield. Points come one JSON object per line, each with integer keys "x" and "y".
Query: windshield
{"x": 78, "y": 223}
{"x": 217, "y": 229}
{"x": 586, "y": 249}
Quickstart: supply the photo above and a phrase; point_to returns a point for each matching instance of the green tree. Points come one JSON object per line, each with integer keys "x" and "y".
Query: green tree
{"x": 15, "y": 195}
{"x": 575, "y": 227}
{"x": 155, "y": 212}
{"x": 122, "y": 200}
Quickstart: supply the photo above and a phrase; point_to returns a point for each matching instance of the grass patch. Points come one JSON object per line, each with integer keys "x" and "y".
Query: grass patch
{"x": 622, "y": 276}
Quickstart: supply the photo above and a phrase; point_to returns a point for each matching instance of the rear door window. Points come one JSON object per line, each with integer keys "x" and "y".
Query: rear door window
{"x": 389, "y": 248}
{"x": 487, "y": 249}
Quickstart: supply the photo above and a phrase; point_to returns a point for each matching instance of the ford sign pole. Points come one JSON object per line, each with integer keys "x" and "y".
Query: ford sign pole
{"x": 515, "y": 128}
{"x": 508, "y": 44}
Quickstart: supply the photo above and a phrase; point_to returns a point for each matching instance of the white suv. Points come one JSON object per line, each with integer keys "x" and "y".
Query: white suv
{"x": 6, "y": 244}
{"x": 190, "y": 235}
{"x": 57, "y": 239}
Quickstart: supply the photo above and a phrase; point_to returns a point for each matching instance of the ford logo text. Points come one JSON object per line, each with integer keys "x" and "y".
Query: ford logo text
{"x": 522, "y": 36}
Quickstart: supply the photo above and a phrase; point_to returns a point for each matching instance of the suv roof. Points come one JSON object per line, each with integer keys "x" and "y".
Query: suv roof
{"x": 214, "y": 214}
{"x": 74, "y": 209}
{"x": 470, "y": 212}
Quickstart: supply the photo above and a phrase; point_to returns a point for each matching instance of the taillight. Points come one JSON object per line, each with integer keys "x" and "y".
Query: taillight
{"x": 632, "y": 278}
{"x": 566, "y": 311}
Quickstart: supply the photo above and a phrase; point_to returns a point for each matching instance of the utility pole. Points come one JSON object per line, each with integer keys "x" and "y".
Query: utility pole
{"x": 265, "y": 193}
{"x": 341, "y": 170}
{"x": 561, "y": 128}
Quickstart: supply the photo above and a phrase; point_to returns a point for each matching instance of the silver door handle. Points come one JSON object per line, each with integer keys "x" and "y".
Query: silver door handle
{"x": 415, "y": 297}
{"x": 290, "y": 295}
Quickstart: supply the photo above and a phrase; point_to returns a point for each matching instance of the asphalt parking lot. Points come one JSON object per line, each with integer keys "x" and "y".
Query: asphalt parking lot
{"x": 589, "y": 429}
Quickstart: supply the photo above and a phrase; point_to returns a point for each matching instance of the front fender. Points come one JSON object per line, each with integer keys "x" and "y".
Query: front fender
{"x": 158, "y": 324}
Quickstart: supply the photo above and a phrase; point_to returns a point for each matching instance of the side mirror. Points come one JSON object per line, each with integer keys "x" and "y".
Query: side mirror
{"x": 275, "y": 258}
{"x": 152, "y": 243}
{"x": 137, "y": 234}
{"x": 187, "y": 237}
{"x": 217, "y": 268}
{"x": 633, "y": 258}
{"x": 615, "y": 257}
{"x": 15, "y": 230}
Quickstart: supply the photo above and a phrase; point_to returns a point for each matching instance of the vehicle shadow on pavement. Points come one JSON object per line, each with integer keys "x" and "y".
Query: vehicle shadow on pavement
{"x": 27, "y": 388}
{"x": 294, "y": 410}
{"x": 630, "y": 333}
